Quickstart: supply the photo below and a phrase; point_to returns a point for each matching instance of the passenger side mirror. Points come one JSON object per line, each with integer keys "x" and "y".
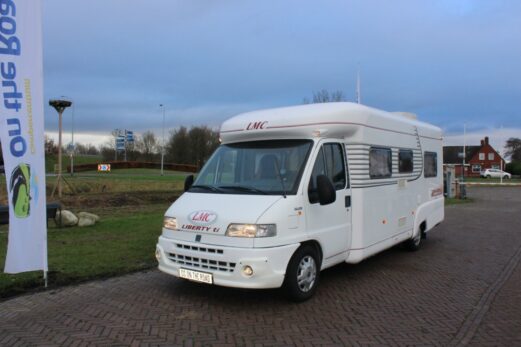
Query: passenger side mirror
{"x": 189, "y": 180}
{"x": 326, "y": 191}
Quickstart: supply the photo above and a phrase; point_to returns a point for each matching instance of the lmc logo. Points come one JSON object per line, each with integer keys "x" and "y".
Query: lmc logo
{"x": 202, "y": 217}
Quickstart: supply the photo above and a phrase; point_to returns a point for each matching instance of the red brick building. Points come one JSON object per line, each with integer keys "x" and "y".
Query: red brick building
{"x": 477, "y": 158}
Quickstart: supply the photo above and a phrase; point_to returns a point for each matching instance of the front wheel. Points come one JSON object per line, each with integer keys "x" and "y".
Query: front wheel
{"x": 302, "y": 274}
{"x": 505, "y": 177}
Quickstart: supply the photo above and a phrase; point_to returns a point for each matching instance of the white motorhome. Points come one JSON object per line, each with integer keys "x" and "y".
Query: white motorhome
{"x": 292, "y": 191}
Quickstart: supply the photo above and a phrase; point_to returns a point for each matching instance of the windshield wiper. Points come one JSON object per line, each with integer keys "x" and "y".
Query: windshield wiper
{"x": 245, "y": 188}
{"x": 207, "y": 187}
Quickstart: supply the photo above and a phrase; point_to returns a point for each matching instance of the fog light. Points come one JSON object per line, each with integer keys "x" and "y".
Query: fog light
{"x": 158, "y": 254}
{"x": 247, "y": 270}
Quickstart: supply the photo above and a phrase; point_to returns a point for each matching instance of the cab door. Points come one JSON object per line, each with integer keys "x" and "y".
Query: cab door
{"x": 330, "y": 224}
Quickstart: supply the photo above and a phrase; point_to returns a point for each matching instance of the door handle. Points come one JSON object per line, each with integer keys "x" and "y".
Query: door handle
{"x": 348, "y": 201}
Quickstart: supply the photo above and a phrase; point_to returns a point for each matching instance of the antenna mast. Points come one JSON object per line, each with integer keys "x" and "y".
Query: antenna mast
{"x": 358, "y": 85}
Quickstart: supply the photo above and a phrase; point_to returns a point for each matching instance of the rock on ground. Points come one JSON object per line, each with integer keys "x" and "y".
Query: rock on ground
{"x": 66, "y": 218}
{"x": 88, "y": 215}
{"x": 87, "y": 219}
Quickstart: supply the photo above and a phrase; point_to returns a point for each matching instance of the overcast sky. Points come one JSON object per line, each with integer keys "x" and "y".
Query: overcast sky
{"x": 449, "y": 61}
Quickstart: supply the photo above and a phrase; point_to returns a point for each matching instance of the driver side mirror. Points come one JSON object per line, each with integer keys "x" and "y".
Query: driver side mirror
{"x": 326, "y": 191}
{"x": 189, "y": 180}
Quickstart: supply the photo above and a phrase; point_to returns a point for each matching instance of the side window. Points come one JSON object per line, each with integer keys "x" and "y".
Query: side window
{"x": 405, "y": 163}
{"x": 329, "y": 162}
{"x": 335, "y": 166}
{"x": 318, "y": 169}
{"x": 430, "y": 160}
{"x": 380, "y": 162}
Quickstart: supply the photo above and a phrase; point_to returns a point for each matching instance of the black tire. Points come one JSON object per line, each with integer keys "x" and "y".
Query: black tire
{"x": 506, "y": 177}
{"x": 414, "y": 243}
{"x": 488, "y": 176}
{"x": 305, "y": 264}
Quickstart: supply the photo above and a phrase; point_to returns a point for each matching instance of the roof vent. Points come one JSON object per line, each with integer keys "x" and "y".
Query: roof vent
{"x": 406, "y": 115}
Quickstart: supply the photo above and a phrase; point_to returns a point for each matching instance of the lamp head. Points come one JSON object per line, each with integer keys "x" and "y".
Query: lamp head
{"x": 60, "y": 105}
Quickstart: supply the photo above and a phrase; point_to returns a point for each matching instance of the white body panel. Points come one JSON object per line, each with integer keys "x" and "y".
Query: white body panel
{"x": 383, "y": 211}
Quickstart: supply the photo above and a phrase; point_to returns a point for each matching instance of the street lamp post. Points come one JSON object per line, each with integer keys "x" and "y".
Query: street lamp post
{"x": 59, "y": 106}
{"x": 163, "y": 141}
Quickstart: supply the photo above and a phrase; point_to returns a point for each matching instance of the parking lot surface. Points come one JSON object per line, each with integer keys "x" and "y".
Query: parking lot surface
{"x": 462, "y": 288}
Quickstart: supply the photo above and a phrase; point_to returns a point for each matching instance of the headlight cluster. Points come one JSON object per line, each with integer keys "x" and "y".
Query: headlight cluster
{"x": 170, "y": 223}
{"x": 251, "y": 230}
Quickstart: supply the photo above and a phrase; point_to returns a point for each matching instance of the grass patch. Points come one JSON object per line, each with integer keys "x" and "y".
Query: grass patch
{"x": 118, "y": 244}
{"x": 52, "y": 159}
{"x": 130, "y": 180}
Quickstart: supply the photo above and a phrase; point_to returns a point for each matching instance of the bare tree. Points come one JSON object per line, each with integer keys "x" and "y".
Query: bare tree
{"x": 513, "y": 149}
{"x": 192, "y": 146}
{"x": 147, "y": 145}
{"x": 324, "y": 95}
{"x": 107, "y": 151}
{"x": 50, "y": 146}
{"x": 178, "y": 146}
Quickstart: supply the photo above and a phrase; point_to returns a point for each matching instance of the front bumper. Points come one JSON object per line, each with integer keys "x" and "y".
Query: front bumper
{"x": 226, "y": 263}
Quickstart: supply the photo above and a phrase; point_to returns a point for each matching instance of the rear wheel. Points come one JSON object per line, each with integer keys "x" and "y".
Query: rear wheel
{"x": 302, "y": 274}
{"x": 414, "y": 243}
{"x": 506, "y": 177}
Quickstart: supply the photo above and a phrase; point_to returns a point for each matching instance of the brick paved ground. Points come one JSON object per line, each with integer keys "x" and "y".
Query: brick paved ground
{"x": 462, "y": 287}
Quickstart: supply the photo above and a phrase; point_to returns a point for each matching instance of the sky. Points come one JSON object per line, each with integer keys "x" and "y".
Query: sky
{"x": 451, "y": 62}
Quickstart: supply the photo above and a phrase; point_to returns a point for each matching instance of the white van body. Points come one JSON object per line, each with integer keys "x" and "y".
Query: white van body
{"x": 385, "y": 199}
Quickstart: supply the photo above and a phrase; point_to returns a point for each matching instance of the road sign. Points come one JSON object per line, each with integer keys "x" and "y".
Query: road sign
{"x": 120, "y": 143}
{"x": 129, "y": 135}
{"x": 103, "y": 167}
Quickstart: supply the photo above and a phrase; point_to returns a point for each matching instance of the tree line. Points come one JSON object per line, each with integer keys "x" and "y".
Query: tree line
{"x": 182, "y": 146}
{"x": 513, "y": 151}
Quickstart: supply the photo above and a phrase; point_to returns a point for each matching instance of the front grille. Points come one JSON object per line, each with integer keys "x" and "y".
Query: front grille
{"x": 200, "y": 249}
{"x": 201, "y": 263}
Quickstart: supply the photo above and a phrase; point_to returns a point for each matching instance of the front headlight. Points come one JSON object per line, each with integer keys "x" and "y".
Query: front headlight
{"x": 251, "y": 230}
{"x": 170, "y": 223}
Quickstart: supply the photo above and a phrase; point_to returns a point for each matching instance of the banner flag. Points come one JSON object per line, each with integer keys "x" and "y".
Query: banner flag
{"x": 22, "y": 133}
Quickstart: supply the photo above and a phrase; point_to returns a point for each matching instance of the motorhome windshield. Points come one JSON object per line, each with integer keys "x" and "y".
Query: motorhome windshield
{"x": 259, "y": 167}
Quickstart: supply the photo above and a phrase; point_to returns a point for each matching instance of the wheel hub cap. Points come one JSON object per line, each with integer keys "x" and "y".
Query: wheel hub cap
{"x": 307, "y": 273}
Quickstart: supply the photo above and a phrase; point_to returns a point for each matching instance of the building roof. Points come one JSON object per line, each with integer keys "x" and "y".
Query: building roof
{"x": 451, "y": 154}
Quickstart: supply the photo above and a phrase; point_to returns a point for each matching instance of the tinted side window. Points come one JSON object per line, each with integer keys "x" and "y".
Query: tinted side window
{"x": 335, "y": 166}
{"x": 431, "y": 164}
{"x": 405, "y": 163}
{"x": 329, "y": 162}
{"x": 318, "y": 169}
{"x": 380, "y": 162}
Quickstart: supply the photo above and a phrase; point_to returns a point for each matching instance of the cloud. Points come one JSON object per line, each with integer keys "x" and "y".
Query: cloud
{"x": 95, "y": 139}
{"x": 448, "y": 62}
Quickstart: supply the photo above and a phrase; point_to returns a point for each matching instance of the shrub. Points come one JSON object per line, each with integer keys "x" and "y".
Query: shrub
{"x": 514, "y": 168}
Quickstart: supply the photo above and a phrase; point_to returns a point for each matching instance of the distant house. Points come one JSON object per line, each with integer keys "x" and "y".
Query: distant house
{"x": 477, "y": 158}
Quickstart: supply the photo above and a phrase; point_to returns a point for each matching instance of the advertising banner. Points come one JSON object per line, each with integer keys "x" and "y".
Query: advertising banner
{"x": 22, "y": 133}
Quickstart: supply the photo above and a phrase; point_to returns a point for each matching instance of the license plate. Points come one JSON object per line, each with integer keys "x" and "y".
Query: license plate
{"x": 196, "y": 276}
